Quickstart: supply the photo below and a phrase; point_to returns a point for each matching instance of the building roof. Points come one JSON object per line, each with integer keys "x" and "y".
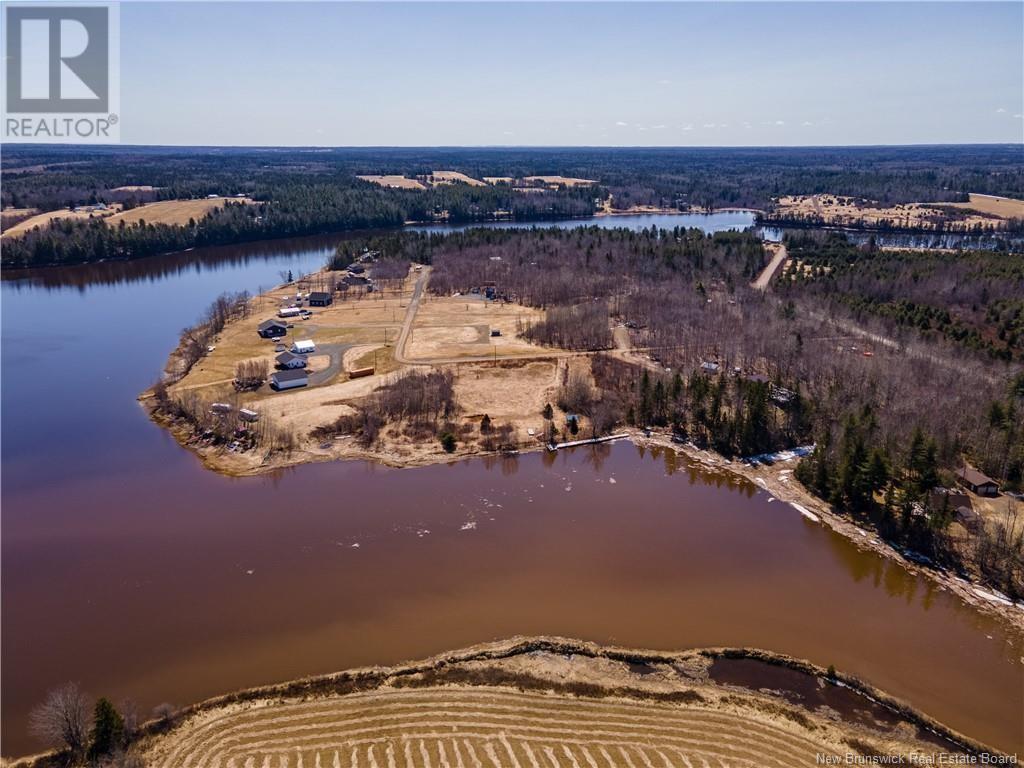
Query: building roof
{"x": 290, "y": 375}
{"x": 319, "y": 296}
{"x": 287, "y": 357}
{"x": 268, "y": 324}
{"x": 974, "y": 477}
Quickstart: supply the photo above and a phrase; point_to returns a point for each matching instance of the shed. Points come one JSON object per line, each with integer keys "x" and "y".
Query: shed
{"x": 288, "y": 312}
{"x": 220, "y": 408}
{"x": 288, "y": 360}
{"x": 290, "y": 379}
{"x": 303, "y": 347}
{"x": 978, "y": 482}
{"x": 968, "y": 518}
{"x": 270, "y": 329}
{"x": 320, "y": 299}
{"x": 708, "y": 367}
{"x": 245, "y": 414}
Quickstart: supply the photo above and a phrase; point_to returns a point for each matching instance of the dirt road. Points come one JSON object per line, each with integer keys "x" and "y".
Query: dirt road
{"x": 768, "y": 272}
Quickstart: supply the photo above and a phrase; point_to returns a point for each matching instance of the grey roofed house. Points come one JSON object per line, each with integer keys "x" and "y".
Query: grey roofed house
{"x": 270, "y": 328}
{"x": 319, "y": 299}
{"x": 290, "y": 360}
{"x": 289, "y": 379}
{"x": 980, "y": 483}
{"x": 355, "y": 280}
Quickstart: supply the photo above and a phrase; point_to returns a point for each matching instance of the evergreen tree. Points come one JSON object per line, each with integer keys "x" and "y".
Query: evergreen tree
{"x": 107, "y": 730}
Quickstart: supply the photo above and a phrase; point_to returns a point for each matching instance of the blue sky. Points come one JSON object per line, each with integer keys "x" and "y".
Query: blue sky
{"x": 671, "y": 74}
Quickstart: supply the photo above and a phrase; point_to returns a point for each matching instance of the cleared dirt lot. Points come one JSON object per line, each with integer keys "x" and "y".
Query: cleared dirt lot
{"x": 461, "y": 326}
{"x": 516, "y": 705}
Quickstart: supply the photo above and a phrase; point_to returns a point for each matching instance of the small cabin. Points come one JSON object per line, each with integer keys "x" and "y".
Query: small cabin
{"x": 287, "y": 360}
{"x": 977, "y": 482}
{"x": 303, "y": 347}
{"x": 320, "y": 299}
{"x": 281, "y": 380}
{"x": 271, "y": 329}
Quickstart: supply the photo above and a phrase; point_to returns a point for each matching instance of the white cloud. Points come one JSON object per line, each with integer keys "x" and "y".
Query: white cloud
{"x": 657, "y": 127}
{"x": 621, "y": 124}
{"x": 806, "y": 122}
{"x": 780, "y": 122}
{"x": 688, "y": 127}
{"x": 664, "y": 82}
{"x": 709, "y": 125}
{"x": 508, "y": 133}
{"x": 1001, "y": 110}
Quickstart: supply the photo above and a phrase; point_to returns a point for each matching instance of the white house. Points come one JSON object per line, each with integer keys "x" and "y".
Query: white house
{"x": 304, "y": 347}
{"x": 288, "y": 312}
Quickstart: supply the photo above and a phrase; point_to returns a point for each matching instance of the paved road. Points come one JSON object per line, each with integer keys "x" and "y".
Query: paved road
{"x": 337, "y": 354}
{"x": 768, "y": 273}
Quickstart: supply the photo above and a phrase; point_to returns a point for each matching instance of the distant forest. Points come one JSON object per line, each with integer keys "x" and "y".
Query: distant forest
{"x": 311, "y": 191}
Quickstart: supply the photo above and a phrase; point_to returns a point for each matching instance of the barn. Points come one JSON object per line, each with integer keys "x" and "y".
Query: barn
{"x": 304, "y": 347}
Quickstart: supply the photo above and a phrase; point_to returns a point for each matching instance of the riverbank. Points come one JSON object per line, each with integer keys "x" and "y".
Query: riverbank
{"x": 499, "y": 697}
{"x": 779, "y": 482}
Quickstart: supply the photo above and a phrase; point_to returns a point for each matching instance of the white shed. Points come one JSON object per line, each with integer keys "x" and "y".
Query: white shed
{"x": 304, "y": 347}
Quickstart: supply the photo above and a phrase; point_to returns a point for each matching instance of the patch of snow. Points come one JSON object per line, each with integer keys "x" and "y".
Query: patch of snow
{"x": 805, "y": 512}
{"x": 469, "y": 526}
{"x": 993, "y": 596}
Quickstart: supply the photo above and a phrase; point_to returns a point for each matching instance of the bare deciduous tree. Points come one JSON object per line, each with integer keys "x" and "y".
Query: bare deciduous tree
{"x": 62, "y": 720}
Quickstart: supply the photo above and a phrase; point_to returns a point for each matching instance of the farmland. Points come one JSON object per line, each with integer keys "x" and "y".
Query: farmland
{"x": 172, "y": 212}
{"x": 509, "y": 705}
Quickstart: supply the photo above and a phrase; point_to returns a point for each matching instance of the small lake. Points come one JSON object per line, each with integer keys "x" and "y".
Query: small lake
{"x": 129, "y": 568}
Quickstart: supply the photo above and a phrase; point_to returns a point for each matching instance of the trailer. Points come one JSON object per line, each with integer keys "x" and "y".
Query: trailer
{"x": 359, "y": 373}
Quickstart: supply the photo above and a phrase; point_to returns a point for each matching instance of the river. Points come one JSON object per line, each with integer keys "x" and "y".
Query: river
{"x": 129, "y": 568}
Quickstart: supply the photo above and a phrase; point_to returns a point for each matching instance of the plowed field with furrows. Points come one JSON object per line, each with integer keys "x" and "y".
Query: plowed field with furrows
{"x": 465, "y": 727}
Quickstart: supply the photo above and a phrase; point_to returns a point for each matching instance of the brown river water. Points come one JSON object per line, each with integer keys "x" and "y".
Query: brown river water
{"x": 129, "y": 568}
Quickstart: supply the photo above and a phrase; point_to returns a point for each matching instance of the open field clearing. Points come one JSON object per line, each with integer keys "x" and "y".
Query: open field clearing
{"x": 520, "y": 704}
{"x": 162, "y": 212}
{"x": 1004, "y": 207}
{"x": 499, "y": 179}
{"x": 567, "y": 181}
{"x": 454, "y": 177}
{"x": 136, "y": 188}
{"x": 43, "y": 219}
{"x": 174, "y": 211}
{"x": 395, "y": 181}
{"x": 836, "y": 210}
{"x": 461, "y": 326}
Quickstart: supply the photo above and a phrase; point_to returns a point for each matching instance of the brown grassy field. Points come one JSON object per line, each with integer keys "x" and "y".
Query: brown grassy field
{"x": 567, "y": 181}
{"x": 988, "y": 213}
{"x": 514, "y": 705}
{"x": 1004, "y": 207}
{"x": 398, "y": 182}
{"x": 453, "y": 177}
{"x": 173, "y": 211}
{"x": 42, "y": 219}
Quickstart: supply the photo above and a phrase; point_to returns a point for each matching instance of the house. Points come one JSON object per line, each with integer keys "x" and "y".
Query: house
{"x": 271, "y": 329}
{"x": 289, "y": 312}
{"x": 281, "y": 380}
{"x": 303, "y": 347}
{"x": 968, "y": 518}
{"x": 709, "y": 368}
{"x": 495, "y": 332}
{"x": 353, "y": 280}
{"x": 320, "y": 299}
{"x": 288, "y": 360}
{"x": 979, "y": 483}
